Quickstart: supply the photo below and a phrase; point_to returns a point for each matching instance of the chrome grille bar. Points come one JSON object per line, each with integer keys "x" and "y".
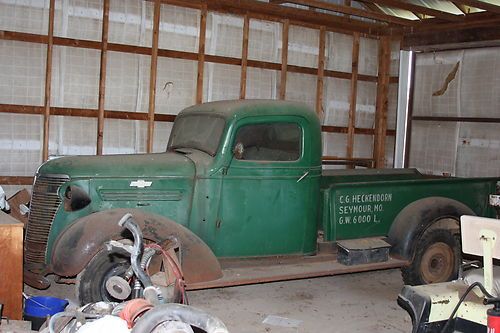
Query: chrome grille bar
{"x": 44, "y": 205}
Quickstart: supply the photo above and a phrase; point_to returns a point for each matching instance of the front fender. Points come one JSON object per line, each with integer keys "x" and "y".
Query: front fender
{"x": 80, "y": 242}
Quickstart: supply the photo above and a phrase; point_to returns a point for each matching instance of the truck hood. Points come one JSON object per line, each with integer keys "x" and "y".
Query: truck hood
{"x": 135, "y": 165}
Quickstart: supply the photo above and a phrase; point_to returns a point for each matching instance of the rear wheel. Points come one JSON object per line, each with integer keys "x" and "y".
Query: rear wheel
{"x": 436, "y": 259}
{"x": 91, "y": 282}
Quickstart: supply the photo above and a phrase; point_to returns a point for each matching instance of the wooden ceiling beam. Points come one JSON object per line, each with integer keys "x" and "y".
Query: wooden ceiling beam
{"x": 352, "y": 11}
{"x": 451, "y": 39}
{"x": 293, "y": 14}
{"x": 480, "y": 4}
{"x": 476, "y": 20}
{"x": 417, "y": 9}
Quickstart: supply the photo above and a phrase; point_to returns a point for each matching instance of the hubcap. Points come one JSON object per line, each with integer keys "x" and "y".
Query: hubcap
{"x": 437, "y": 263}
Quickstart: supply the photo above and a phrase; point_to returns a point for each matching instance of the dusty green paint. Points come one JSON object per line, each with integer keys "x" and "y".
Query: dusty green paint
{"x": 368, "y": 208}
{"x": 249, "y": 208}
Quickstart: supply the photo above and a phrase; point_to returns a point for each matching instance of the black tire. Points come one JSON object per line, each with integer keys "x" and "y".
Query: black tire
{"x": 90, "y": 286}
{"x": 437, "y": 258}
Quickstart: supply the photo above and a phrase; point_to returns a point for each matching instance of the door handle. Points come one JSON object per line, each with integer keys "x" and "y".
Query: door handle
{"x": 303, "y": 176}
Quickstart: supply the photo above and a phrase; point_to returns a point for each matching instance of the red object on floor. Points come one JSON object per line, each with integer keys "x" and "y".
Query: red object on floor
{"x": 134, "y": 309}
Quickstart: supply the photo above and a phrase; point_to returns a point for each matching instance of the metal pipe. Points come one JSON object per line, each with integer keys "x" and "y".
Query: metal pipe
{"x": 405, "y": 105}
{"x": 127, "y": 221}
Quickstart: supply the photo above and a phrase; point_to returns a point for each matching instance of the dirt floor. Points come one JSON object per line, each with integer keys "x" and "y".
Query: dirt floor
{"x": 360, "y": 302}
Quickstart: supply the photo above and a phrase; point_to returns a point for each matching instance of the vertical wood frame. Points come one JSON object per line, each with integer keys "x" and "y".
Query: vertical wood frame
{"x": 321, "y": 72}
{"x": 48, "y": 82}
{"x": 102, "y": 77}
{"x": 382, "y": 102}
{"x": 201, "y": 53}
{"x": 354, "y": 93}
{"x": 284, "y": 58}
{"x": 244, "y": 57}
{"x": 152, "y": 78}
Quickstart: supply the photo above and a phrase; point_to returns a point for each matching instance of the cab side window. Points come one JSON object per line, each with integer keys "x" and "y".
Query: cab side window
{"x": 268, "y": 142}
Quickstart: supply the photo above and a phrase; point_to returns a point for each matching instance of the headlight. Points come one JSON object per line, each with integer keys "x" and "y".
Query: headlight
{"x": 75, "y": 198}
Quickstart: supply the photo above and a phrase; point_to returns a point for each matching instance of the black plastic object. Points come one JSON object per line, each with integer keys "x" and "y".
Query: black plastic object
{"x": 362, "y": 251}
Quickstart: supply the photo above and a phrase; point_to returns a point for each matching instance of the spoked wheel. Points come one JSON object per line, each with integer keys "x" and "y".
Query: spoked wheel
{"x": 437, "y": 258}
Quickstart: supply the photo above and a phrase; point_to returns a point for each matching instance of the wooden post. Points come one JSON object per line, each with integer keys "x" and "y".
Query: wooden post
{"x": 354, "y": 92}
{"x": 48, "y": 82}
{"x": 284, "y": 58}
{"x": 201, "y": 54}
{"x": 102, "y": 76}
{"x": 384, "y": 62}
{"x": 152, "y": 78}
{"x": 321, "y": 72}
{"x": 244, "y": 57}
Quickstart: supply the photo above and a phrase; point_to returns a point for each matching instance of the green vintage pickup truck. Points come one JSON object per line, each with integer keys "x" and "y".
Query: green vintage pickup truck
{"x": 240, "y": 180}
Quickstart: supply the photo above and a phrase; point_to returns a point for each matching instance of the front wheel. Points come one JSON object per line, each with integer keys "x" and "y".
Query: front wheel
{"x": 91, "y": 282}
{"x": 437, "y": 258}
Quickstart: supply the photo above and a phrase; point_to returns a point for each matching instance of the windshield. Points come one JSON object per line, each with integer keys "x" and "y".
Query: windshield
{"x": 202, "y": 132}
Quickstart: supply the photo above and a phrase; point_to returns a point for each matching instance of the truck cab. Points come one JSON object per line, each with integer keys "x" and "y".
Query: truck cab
{"x": 242, "y": 176}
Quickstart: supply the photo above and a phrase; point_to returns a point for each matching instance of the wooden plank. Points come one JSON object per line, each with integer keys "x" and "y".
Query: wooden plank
{"x": 417, "y": 9}
{"x": 271, "y": 12}
{"x": 102, "y": 76}
{"x": 361, "y": 131}
{"x": 77, "y": 112}
{"x": 9, "y": 35}
{"x": 152, "y": 77}
{"x": 201, "y": 54}
{"x": 48, "y": 82}
{"x": 284, "y": 58}
{"x": 452, "y": 39}
{"x": 16, "y": 180}
{"x": 124, "y": 115}
{"x": 353, "y": 11}
{"x": 241, "y": 7}
{"x": 458, "y": 119}
{"x": 11, "y": 266}
{"x": 321, "y": 71}
{"x": 23, "y": 37}
{"x": 244, "y": 57}
{"x": 382, "y": 102}
{"x": 353, "y": 97}
{"x": 310, "y": 267}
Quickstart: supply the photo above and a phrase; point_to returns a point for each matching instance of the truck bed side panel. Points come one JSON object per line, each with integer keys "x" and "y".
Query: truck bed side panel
{"x": 368, "y": 209}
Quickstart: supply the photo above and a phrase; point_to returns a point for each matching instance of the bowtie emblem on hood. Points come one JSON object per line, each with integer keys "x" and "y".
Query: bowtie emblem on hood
{"x": 140, "y": 183}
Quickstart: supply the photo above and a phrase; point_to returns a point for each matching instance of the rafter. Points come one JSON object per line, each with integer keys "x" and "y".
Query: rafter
{"x": 462, "y": 8}
{"x": 352, "y": 11}
{"x": 481, "y": 5}
{"x": 470, "y": 21}
{"x": 417, "y": 9}
{"x": 293, "y": 14}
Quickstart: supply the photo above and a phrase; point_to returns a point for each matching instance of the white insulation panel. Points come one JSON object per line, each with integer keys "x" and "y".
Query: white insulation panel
{"x": 75, "y": 76}
{"x": 457, "y": 84}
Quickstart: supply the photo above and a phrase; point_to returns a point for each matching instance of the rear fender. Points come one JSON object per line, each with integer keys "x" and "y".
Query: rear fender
{"x": 80, "y": 242}
{"x": 418, "y": 217}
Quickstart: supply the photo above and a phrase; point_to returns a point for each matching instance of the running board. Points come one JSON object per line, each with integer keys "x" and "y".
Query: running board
{"x": 308, "y": 267}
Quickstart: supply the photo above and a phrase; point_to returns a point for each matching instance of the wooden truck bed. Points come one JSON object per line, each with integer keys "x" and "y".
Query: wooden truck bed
{"x": 253, "y": 271}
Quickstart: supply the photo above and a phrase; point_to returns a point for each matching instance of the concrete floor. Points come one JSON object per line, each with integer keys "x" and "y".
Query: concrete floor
{"x": 360, "y": 302}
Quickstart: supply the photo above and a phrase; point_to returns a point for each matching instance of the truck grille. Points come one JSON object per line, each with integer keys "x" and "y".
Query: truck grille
{"x": 43, "y": 207}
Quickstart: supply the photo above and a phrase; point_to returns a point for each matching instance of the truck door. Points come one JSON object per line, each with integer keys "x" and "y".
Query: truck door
{"x": 269, "y": 193}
